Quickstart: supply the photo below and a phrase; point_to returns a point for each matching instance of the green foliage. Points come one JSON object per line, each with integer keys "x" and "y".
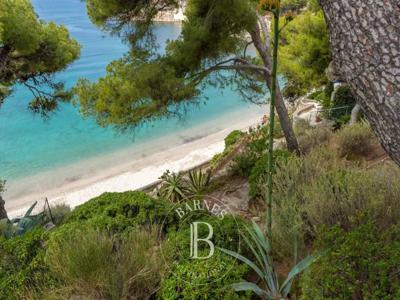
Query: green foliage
{"x": 305, "y": 54}
{"x": 31, "y": 51}
{"x": 292, "y": 178}
{"x": 259, "y": 172}
{"x": 233, "y": 137}
{"x": 263, "y": 266}
{"x": 313, "y": 137}
{"x": 242, "y": 164}
{"x": 96, "y": 265}
{"x": 254, "y": 150}
{"x": 59, "y": 213}
{"x": 343, "y": 96}
{"x": 356, "y": 141}
{"x": 144, "y": 87}
{"x": 360, "y": 264}
{"x": 173, "y": 187}
{"x": 293, "y": 5}
{"x": 22, "y": 265}
{"x": 344, "y": 99}
{"x": 140, "y": 90}
{"x": 198, "y": 182}
{"x": 203, "y": 279}
{"x": 320, "y": 189}
{"x": 118, "y": 212}
{"x": 226, "y": 234}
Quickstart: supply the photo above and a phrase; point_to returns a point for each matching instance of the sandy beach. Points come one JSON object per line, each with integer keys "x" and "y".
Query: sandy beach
{"x": 128, "y": 169}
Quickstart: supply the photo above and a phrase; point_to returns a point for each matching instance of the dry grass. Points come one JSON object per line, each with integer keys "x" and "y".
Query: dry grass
{"x": 96, "y": 265}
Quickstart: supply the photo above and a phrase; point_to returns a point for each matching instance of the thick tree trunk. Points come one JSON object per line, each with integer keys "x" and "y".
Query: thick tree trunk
{"x": 365, "y": 43}
{"x": 3, "y": 212}
{"x": 285, "y": 121}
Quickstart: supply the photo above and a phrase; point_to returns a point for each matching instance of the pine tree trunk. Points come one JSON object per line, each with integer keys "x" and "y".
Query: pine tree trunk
{"x": 284, "y": 119}
{"x": 3, "y": 212}
{"x": 365, "y": 43}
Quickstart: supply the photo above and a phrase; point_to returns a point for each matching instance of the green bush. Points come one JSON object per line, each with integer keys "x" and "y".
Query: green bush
{"x": 301, "y": 126}
{"x": 343, "y": 97}
{"x": 320, "y": 190}
{"x": 22, "y": 265}
{"x": 290, "y": 181}
{"x": 313, "y": 138}
{"x": 203, "y": 279}
{"x": 356, "y": 141}
{"x": 360, "y": 264}
{"x": 337, "y": 197}
{"x": 254, "y": 150}
{"x": 118, "y": 212}
{"x": 259, "y": 172}
{"x": 329, "y": 88}
{"x": 173, "y": 187}
{"x": 305, "y": 55}
{"x": 96, "y": 265}
{"x": 59, "y": 213}
{"x": 226, "y": 234}
{"x": 233, "y": 137}
{"x": 243, "y": 164}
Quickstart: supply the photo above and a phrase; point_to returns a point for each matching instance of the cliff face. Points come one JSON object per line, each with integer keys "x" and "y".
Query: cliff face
{"x": 173, "y": 15}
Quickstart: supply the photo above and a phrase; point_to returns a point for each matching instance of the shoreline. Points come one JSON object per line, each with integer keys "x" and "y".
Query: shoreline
{"x": 133, "y": 169}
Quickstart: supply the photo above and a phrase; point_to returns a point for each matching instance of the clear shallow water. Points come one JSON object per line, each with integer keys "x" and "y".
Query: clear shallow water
{"x": 30, "y": 145}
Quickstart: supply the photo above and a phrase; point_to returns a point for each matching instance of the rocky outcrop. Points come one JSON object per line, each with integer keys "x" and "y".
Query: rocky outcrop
{"x": 176, "y": 15}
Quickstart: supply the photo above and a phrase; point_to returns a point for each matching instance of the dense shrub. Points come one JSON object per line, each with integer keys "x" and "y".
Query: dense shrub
{"x": 343, "y": 98}
{"x": 313, "y": 138}
{"x": 355, "y": 141}
{"x": 301, "y": 126}
{"x": 360, "y": 264}
{"x": 59, "y": 213}
{"x": 337, "y": 197}
{"x": 97, "y": 265}
{"x": 233, "y": 137}
{"x": 290, "y": 181}
{"x": 118, "y": 211}
{"x": 22, "y": 265}
{"x": 226, "y": 234}
{"x": 254, "y": 150}
{"x": 259, "y": 171}
{"x": 242, "y": 164}
{"x": 305, "y": 54}
{"x": 321, "y": 190}
{"x": 203, "y": 279}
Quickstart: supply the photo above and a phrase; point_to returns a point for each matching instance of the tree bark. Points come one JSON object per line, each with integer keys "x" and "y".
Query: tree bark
{"x": 365, "y": 43}
{"x": 285, "y": 121}
{"x": 3, "y": 212}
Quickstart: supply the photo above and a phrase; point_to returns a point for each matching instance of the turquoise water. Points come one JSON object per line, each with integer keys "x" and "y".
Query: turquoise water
{"x": 30, "y": 144}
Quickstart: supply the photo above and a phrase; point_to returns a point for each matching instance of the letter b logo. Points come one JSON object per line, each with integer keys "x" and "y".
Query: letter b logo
{"x": 194, "y": 240}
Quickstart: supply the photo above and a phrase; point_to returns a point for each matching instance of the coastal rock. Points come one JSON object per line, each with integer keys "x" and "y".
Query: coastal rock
{"x": 176, "y": 15}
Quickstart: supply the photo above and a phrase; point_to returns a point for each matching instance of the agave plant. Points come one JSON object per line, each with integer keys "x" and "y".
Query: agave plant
{"x": 173, "y": 187}
{"x": 198, "y": 182}
{"x": 28, "y": 221}
{"x": 260, "y": 247}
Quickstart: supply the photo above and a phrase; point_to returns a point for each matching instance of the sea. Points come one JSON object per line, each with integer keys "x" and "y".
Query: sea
{"x": 31, "y": 145}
